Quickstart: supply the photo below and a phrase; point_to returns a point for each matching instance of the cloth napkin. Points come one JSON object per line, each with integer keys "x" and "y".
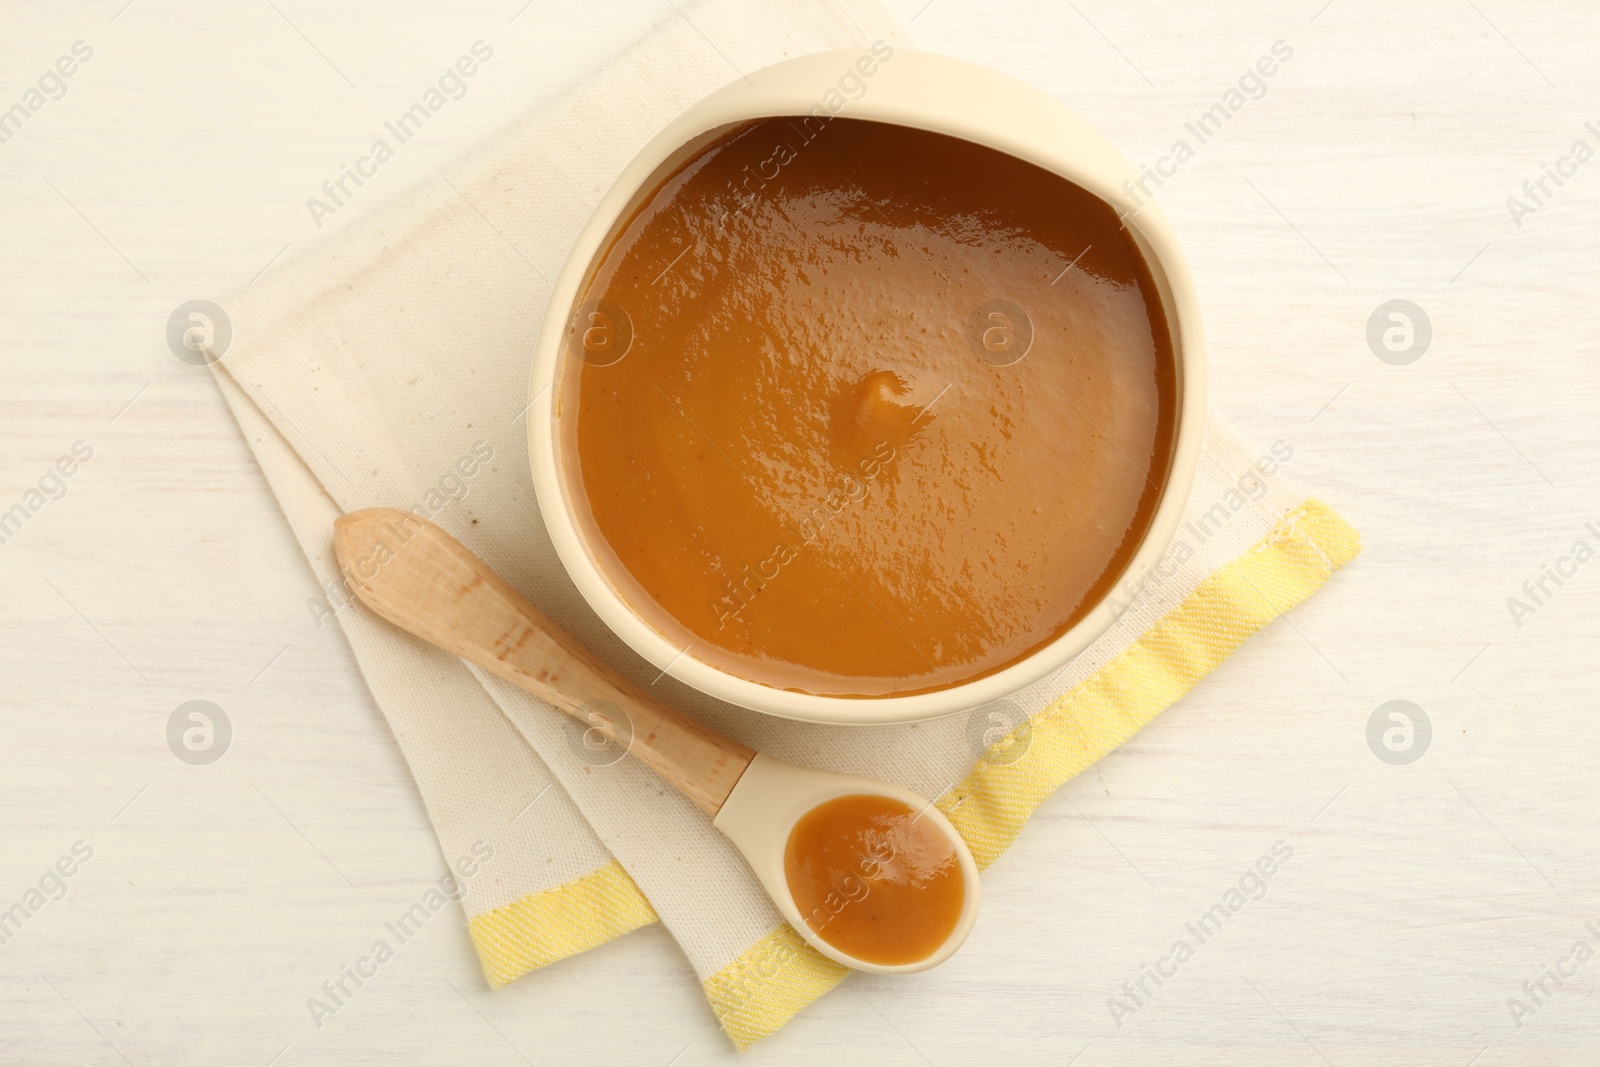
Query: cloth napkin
{"x": 387, "y": 366}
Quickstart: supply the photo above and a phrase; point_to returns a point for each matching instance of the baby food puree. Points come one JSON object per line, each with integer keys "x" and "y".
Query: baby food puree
{"x": 863, "y": 410}
{"x": 873, "y": 879}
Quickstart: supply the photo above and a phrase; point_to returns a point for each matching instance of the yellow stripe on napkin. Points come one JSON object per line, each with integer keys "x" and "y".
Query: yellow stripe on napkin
{"x": 544, "y": 927}
{"x": 772, "y": 980}
{"x": 993, "y": 802}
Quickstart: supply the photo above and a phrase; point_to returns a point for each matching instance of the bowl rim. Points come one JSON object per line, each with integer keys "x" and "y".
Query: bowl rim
{"x": 924, "y": 91}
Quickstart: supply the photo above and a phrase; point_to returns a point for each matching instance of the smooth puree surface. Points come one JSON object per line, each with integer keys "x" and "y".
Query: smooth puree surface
{"x": 873, "y": 880}
{"x": 860, "y": 410}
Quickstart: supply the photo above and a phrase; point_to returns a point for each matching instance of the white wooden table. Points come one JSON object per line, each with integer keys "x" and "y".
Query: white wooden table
{"x": 1376, "y": 165}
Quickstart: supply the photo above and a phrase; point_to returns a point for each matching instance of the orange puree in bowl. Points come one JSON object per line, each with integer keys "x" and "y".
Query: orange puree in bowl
{"x": 873, "y": 880}
{"x": 860, "y": 410}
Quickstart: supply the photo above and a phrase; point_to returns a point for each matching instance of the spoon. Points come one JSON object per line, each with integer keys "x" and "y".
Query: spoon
{"x": 873, "y": 876}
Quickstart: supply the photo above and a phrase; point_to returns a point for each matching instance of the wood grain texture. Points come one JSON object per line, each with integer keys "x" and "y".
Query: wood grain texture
{"x": 1419, "y": 898}
{"x": 424, "y": 581}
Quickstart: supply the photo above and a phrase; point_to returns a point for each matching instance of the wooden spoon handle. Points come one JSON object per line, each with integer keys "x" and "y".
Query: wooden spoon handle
{"x": 421, "y": 579}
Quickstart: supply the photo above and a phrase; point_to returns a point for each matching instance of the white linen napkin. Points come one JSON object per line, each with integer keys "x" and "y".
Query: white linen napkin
{"x": 387, "y": 366}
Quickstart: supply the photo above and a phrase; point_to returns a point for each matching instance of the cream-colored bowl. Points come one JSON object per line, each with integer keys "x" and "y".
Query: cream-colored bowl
{"x": 928, "y": 92}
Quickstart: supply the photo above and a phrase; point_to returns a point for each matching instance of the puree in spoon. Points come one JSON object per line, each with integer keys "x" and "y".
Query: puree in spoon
{"x": 873, "y": 880}
{"x": 863, "y": 410}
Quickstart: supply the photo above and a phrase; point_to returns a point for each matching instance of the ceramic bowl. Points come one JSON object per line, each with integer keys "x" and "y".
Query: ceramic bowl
{"x": 928, "y": 92}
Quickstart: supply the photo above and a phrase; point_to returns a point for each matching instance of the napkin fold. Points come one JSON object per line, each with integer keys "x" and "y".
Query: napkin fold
{"x": 387, "y": 366}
